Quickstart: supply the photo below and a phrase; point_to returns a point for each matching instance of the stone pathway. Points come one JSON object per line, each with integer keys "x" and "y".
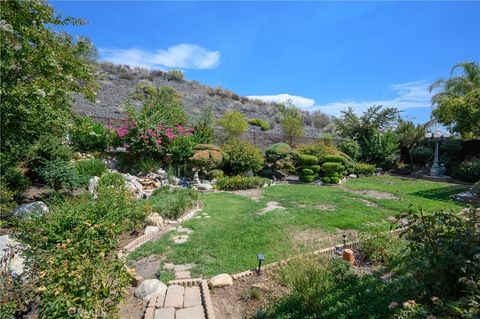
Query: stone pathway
{"x": 181, "y": 271}
{"x": 177, "y": 303}
{"x": 203, "y": 215}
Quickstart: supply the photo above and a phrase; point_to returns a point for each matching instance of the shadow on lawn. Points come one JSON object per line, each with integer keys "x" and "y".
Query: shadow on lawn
{"x": 441, "y": 194}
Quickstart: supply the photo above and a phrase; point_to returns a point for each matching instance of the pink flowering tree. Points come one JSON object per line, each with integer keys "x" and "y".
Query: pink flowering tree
{"x": 159, "y": 122}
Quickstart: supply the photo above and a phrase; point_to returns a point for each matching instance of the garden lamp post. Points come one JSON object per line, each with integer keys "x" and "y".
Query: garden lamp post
{"x": 436, "y": 136}
{"x": 260, "y": 258}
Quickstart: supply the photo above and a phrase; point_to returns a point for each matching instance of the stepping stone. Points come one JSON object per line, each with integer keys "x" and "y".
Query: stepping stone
{"x": 204, "y": 214}
{"x": 180, "y": 229}
{"x": 198, "y": 217}
{"x": 168, "y": 266}
{"x": 192, "y": 297}
{"x": 183, "y": 267}
{"x": 165, "y": 313}
{"x": 182, "y": 275}
{"x": 190, "y": 313}
{"x": 180, "y": 239}
{"x": 207, "y": 216}
{"x": 174, "y": 297}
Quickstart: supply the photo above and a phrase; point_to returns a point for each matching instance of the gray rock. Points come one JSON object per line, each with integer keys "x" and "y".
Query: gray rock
{"x": 149, "y": 287}
{"x": 205, "y": 187}
{"x": 16, "y": 262}
{"x": 352, "y": 176}
{"x": 154, "y": 220}
{"x": 31, "y": 209}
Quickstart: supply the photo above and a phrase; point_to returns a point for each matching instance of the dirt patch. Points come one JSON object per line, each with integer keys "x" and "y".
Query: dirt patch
{"x": 372, "y": 193}
{"x": 148, "y": 266}
{"x": 326, "y": 207}
{"x": 254, "y": 194}
{"x": 131, "y": 307}
{"x": 247, "y": 296}
{"x": 366, "y": 202}
{"x": 313, "y": 239}
{"x": 270, "y": 206}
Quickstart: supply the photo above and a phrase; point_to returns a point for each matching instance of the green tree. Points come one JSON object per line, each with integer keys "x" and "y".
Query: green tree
{"x": 234, "y": 123}
{"x": 291, "y": 121}
{"x": 376, "y": 118}
{"x": 410, "y": 135}
{"x": 40, "y": 68}
{"x": 458, "y": 100}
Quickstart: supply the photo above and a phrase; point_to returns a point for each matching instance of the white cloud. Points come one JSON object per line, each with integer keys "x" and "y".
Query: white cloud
{"x": 408, "y": 95}
{"x": 298, "y": 101}
{"x": 182, "y": 56}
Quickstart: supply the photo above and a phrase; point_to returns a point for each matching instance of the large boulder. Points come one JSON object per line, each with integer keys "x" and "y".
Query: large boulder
{"x": 219, "y": 281}
{"x": 204, "y": 187}
{"x": 31, "y": 209}
{"x": 149, "y": 287}
{"x": 16, "y": 262}
{"x": 151, "y": 229}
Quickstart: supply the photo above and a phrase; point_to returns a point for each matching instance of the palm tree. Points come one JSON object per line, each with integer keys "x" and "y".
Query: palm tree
{"x": 458, "y": 99}
{"x": 410, "y": 135}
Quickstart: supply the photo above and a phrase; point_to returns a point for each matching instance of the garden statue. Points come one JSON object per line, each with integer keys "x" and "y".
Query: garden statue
{"x": 437, "y": 136}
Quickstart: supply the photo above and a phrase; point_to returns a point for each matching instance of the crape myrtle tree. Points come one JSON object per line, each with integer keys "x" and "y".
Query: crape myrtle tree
{"x": 457, "y": 102}
{"x": 40, "y": 68}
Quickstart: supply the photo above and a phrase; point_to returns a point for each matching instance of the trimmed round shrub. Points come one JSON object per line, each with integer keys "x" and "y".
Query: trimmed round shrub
{"x": 90, "y": 167}
{"x": 335, "y": 180}
{"x": 364, "y": 168}
{"x": 207, "y": 147}
{"x": 314, "y": 168}
{"x": 307, "y": 171}
{"x": 330, "y": 168}
{"x": 305, "y": 159}
{"x": 422, "y": 154}
{"x": 326, "y": 179}
{"x": 241, "y": 157}
{"x": 469, "y": 171}
{"x": 334, "y": 159}
{"x": 351, "y": 148}
{"x": 307, "y": 178}
{"x": 277, "y": 151}
{"x": 318, "y": 149}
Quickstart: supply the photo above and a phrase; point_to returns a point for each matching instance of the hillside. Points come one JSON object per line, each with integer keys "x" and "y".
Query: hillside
{"x": 117, "y": 82}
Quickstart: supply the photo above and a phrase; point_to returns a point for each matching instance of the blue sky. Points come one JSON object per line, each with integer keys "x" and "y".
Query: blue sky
{"x": 321, "y": 55}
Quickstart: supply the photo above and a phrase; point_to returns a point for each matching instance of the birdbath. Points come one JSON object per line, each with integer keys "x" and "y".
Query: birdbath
{"x": 437, "y": 136}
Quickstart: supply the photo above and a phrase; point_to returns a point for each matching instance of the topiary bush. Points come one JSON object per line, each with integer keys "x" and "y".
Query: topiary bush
{"x": 469, "y": 170}
{"x": 364, "y": 169}
{"x": 305, "y": 159}
{"x": 326, "y": 180}
{"x": 335, "y": 180}
{"x": 277, "y": 151}
{"x": 241, "y": 157}
{"x": 314, "y": 168}
{"x": 317, "y": 149}
{"x": 206, "y": 156}
{"x": 87, "y": 135}
{"x": 264, "y": 125}
{"x": 334, "y": 171}
{"x": 90, "y": 167}
{"x": 231, "y": 183}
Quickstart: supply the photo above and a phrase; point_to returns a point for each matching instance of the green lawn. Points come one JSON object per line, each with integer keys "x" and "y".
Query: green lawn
{"x": 313, "y": 217}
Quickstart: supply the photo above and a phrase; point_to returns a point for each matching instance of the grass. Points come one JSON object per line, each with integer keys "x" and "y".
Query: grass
{"x": 229, "y": 240}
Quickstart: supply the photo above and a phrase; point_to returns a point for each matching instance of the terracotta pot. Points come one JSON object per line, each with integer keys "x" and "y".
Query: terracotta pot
{"x": 348, "y": 256}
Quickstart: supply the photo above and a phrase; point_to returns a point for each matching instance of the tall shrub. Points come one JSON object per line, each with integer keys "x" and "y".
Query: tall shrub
{"x": 242, "y": 157}
{"x": 233, "y": 123}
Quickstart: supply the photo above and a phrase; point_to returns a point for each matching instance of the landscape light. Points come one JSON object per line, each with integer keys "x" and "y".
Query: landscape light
{"x": 344, "y": 240}
{"x": 436, "y": 136}
{"x": 260, "y": 258}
